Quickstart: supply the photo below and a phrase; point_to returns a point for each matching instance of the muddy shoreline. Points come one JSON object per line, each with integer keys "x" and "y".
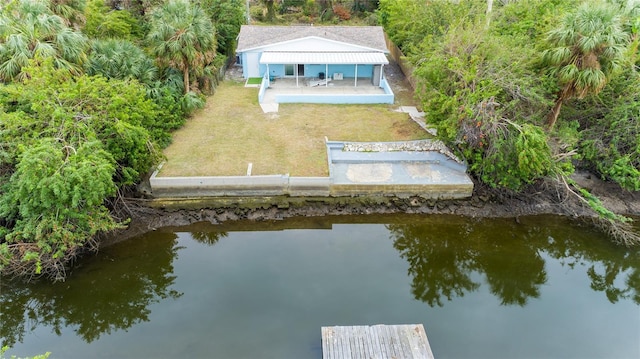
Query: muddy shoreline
{"x": 540, "y": 199}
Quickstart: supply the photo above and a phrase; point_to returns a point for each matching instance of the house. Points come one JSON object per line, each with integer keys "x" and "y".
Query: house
{"x": 317, "y": 64}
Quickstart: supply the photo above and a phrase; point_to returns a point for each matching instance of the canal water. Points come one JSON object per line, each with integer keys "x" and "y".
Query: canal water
{"x": 539, "y": 287}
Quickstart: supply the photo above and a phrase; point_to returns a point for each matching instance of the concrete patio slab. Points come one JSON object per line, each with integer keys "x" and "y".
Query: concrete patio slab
{"x": 427, "y": 173}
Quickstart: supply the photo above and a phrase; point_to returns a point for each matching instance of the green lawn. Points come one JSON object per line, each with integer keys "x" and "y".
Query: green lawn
{"x": 254, "y": 81}
{"x": 232, "y": 131}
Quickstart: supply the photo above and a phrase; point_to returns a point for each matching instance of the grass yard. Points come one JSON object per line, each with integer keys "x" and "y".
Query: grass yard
{"x": 254, "y": 81}
{"x": 232, "y": 131}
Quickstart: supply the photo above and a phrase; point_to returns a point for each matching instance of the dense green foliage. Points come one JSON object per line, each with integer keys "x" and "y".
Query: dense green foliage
{"x": 52, "y": 104}
{"x": 488, "y": 86}
{"x": 610, "y": 142}
{"x": 584, "y": 50}
{"x": 121, "y": 59}
{"x": 54, "y": 201}
{"x": 103, "y": 22}
{"x": 411, "y": 23}
{"x": 227, "y": 16}
{"x": 493, "y": 82}
{"x": 314, "y": 11}
{"x": 481, "y": 95}
{"x": 70, "y": 143}
{"x": 40, "y": 356}
{"x": 182, "y": 37}
{"x": 28, "y": 29}
{"x": 90, "y": 91}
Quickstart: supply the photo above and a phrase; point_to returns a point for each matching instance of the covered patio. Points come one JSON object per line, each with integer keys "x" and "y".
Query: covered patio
{"x": 324, "y": 77}
{"x": 287, "y": 90}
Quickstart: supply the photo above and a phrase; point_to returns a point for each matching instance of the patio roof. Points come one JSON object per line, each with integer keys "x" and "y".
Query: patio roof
{"x": 342, "y": 58}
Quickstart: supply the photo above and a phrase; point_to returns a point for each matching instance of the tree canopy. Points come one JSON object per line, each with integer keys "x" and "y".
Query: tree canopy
{"x": 71, "y": 142}
{"x": 182, "y": 37}
{"x": 84, "y": 109}
{"x": 585, "y": 49}
{"x": 28, "y": 29}
{"x": 494, "y": 89}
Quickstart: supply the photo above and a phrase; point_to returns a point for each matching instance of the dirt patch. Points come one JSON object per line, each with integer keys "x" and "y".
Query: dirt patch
{"x": 403, "y": 129}
{"x": 234, "y": 73}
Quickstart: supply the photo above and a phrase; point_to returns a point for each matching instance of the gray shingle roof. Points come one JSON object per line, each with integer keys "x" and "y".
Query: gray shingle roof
{"x": 252, "y": 36}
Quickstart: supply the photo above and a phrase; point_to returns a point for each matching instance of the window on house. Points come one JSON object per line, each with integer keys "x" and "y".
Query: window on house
{"x": 288, "y": 70}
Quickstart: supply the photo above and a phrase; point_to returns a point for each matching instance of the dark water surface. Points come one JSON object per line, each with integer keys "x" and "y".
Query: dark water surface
{"x": 541, "y": 288}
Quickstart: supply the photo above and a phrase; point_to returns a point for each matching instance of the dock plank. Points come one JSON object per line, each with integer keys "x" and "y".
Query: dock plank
{"x": 376, "y": 342}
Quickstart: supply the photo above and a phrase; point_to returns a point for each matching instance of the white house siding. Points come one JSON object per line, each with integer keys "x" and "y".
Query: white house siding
{"x": 251, "y": 64}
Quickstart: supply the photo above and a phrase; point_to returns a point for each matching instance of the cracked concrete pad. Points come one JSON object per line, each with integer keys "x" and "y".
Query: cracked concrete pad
{"x": 421, "y": 170}
{"x": 369, "y": 172}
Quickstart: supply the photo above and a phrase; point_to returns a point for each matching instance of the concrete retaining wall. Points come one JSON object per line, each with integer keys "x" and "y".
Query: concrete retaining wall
{"x": 429, "y": 191}
{"x": 268, "y": 186}
{"x": 336, "y": 98}
{"x": 309, "y": 186}
{"x": 263, "y": 87}
{"x": 238, "y": 186}
{"x": 449, "y": 183}
{"x": 386, "y": 87}
{"x": 219, "y": 186}
{"x": 284, "y": 185}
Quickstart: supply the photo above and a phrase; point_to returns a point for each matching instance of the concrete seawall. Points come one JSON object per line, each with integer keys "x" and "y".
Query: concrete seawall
{"x": 239, "y": 186}
{"x": 394, "y": 169}
{"x": 284, "y": 185}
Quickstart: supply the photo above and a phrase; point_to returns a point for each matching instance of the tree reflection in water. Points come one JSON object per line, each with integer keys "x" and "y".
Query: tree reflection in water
{"x": 208, "y": 238}
{"x": 440, "y": 263}
{"x": 447, "y": 258}
{"x": 119, "y": 299}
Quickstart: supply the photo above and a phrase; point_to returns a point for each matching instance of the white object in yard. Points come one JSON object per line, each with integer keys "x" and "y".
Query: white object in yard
{"x": 315, "y": 83}
{"x": 338, "y": 76}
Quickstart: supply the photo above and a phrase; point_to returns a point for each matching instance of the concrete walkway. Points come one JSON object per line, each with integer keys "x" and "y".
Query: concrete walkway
{"x": 418, "y": 117}
{"x": 269, "y": 107}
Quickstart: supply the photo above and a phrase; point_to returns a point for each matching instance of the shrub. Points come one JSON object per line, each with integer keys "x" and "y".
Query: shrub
{"x": 341, "y": 12}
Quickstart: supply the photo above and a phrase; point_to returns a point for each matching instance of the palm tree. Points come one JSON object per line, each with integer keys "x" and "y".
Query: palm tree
{"x": 72, "y": 11}
{"x": 586, "y": 48}
{"x": 183, "y": 37}
{"x": 32, "y": 31}
{"x": 121, "y": 59}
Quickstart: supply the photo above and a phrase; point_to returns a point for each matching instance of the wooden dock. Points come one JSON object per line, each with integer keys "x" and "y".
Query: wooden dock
{"x": 376, "y": 342}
